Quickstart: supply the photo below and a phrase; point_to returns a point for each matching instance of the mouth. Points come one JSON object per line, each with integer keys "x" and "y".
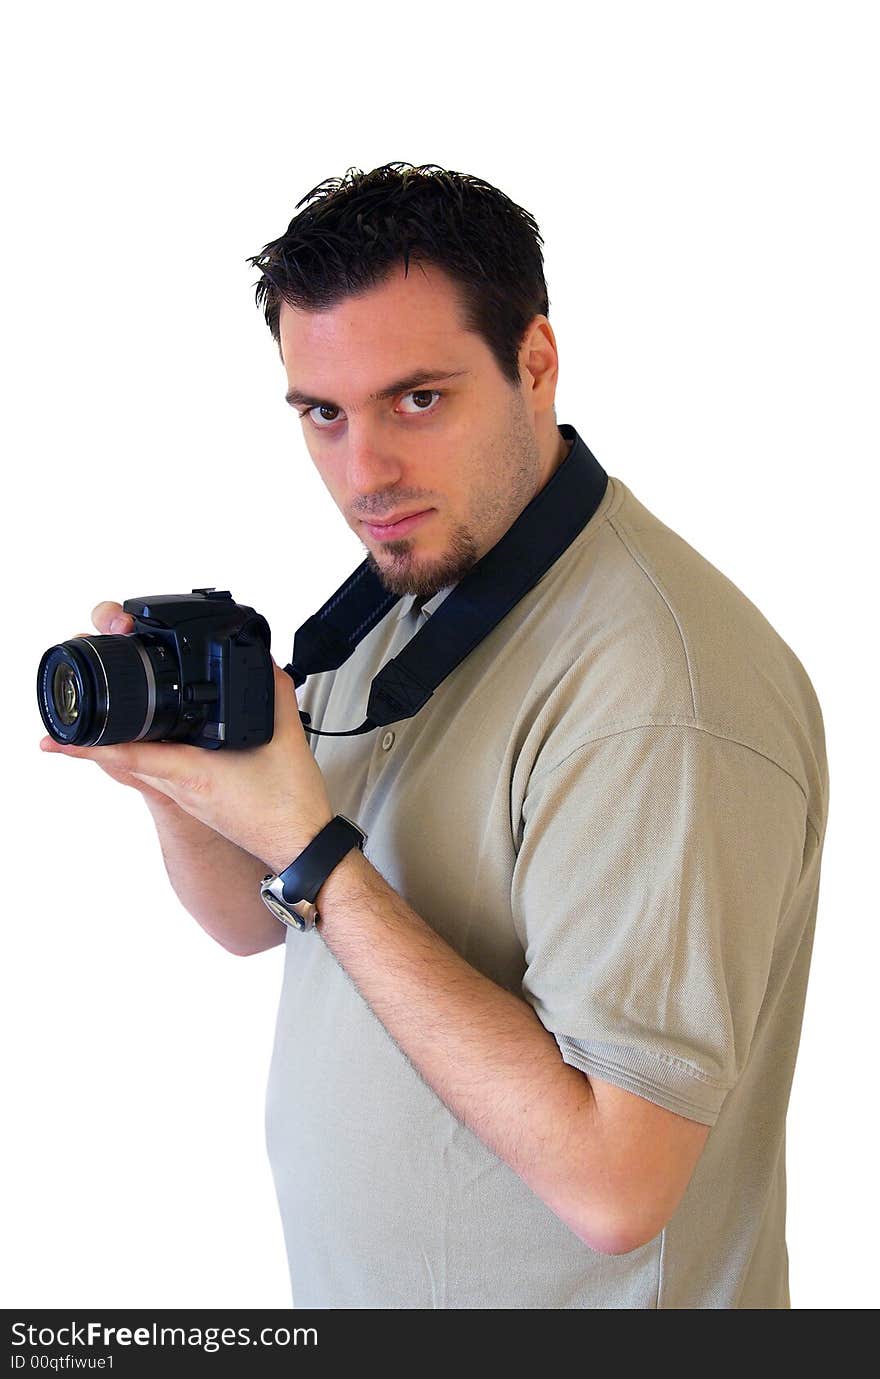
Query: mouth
{"x": 391, "y": 531}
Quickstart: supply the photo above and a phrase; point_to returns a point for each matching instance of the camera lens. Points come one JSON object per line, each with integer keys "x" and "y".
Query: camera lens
{"x": 65, "y": 693}
{"x": 100, "y": 690}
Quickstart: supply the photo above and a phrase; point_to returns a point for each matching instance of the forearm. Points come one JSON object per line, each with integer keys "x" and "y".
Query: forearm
{"x": 482, "y": 1049}
{"x": 215, "y": 881}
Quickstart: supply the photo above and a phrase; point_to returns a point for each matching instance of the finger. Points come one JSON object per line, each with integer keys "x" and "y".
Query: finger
{"x": 283, "y": 680}
{"x": 286, "y": 702}
{"x": 109, "y": 617}
{"x": 172, "y": 763}
{"x": 155, "y": 781}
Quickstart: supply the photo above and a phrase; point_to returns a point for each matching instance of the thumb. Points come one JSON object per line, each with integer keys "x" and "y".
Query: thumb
{"x": 285, "y": 690}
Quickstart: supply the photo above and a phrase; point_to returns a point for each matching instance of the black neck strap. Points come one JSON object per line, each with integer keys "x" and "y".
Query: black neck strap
{"x": 483, "y": 596}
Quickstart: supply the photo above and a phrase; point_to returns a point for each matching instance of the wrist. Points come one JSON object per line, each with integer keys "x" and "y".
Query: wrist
{"x": 348, "y": 879}
{"x": 289, "y": 848}
{"x": 291, "y": 894}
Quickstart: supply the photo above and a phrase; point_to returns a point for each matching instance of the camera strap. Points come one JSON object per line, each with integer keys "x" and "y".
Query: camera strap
{"x": 483, "y": 596}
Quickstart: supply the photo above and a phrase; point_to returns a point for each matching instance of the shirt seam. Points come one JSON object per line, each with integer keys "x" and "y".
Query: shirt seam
{"x": 697, "y": 1073}
{"x": 674, "y": 722}
{"x": 629, "y": 546}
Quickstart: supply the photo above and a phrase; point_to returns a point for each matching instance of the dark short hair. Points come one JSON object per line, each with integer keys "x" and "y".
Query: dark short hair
{"x": 362, "y": 225}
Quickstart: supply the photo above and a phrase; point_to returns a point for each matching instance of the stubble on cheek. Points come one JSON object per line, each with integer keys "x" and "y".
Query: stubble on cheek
{"x": 505, "y": 472}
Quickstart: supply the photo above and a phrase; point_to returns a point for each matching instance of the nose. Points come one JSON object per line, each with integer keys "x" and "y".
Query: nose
{"x": 373, "y": 463}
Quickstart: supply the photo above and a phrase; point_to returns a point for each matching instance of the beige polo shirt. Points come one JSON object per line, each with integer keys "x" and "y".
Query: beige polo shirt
{"x": 614, "y": 807}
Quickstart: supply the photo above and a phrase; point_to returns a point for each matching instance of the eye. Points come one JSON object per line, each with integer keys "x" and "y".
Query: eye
{"x": 324, "y": 407}
{"x": 326, "y": 424}
{"x": 423, "y": 392}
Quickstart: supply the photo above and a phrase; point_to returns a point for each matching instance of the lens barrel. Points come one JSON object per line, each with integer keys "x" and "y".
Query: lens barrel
{"x": 94, "y": 691}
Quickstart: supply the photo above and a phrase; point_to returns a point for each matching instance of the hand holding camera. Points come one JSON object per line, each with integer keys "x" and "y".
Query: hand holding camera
{"x": 195, "y": 672}
{"x": 194, "y": 668}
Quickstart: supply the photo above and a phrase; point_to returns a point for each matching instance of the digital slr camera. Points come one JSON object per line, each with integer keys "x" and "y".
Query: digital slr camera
{"x": 196, "y": 669}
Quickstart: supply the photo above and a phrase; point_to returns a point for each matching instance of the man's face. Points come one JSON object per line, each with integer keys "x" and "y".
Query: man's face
{"x": 463, "y": 448}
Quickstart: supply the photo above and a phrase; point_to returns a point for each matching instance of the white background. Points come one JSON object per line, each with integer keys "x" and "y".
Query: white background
{"x": 704, "y": 176}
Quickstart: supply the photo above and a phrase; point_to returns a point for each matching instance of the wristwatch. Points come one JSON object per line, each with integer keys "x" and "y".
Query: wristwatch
{"x": 292, "y": 894}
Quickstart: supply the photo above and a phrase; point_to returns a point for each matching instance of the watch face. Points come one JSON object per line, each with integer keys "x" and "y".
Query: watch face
{"x": 300, "y": 915}
{"x": 277, "y": 909}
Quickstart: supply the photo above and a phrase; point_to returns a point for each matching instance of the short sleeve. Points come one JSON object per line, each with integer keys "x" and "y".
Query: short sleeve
{"x": 653, "y": 868}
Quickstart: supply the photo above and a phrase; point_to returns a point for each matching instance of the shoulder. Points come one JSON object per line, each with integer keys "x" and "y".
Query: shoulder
{"x": 639, "y": 628}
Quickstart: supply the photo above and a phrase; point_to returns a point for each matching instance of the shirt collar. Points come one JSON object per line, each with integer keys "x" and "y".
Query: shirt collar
{"x": 409, "y": 603}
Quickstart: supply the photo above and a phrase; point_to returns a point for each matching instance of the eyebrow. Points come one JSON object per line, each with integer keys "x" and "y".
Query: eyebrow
{"x": 400, "y": 385}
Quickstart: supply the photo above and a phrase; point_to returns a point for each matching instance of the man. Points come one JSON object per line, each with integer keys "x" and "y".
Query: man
{"x": 537, "y": 1050}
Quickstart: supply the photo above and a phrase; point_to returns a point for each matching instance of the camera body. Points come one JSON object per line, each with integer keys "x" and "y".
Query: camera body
{"x": 196, "y": 669}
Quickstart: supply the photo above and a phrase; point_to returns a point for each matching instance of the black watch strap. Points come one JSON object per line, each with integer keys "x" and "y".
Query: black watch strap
{"x": 304, "y": 878}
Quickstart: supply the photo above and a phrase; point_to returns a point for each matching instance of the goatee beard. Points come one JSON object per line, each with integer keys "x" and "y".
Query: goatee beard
{"x": 406, "y": 575}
